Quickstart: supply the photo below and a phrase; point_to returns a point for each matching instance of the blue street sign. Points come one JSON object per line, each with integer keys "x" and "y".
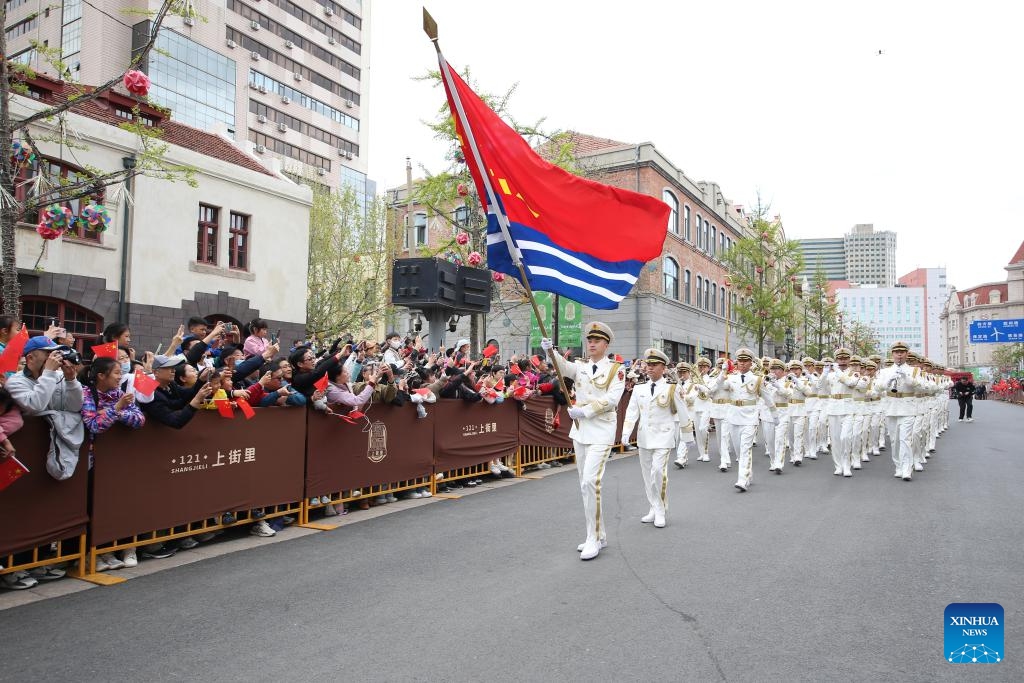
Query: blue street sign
{"x": 997, "y": 331}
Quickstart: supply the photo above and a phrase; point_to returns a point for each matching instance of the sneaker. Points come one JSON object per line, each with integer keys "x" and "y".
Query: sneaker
{"x": 970, "y": 419}
{"x": 380, "y": 500}
{"x": 544, "y": 466}
{"x": 203, "y": 538}
{"x": 416, "y": 494}
{"x": 259, "y": 513}
{"x": 17, "y": 581}
{"x": 496, "y": 471}
{"x": 392, "y": 498}
{"x": 471, "y": 483}
{"x": 227, "y": 518}
{"x": 557, "y": 463}
{"x": 187, "y": 543}
{"x": 330, "y": 511}
{"x": 603, "y": 543}
{"x": 959, "y": 419}
{"x": 47, "y": 573}
{"x": 424, "y": 493}
{"x": 509, "y": 474}
{"x": 261, "y": 528}
{"x": 356, "y": 493}
{"x": 286, "y": 520}
{"x": 161, "y": 553}
{"x": 108, "y": 561}
{"x": 315, "y": 500}
{"x": 129, "y": 558}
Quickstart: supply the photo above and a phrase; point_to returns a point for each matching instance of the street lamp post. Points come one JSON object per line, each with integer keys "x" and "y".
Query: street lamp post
{"x": 789, "y": 344}
{"x": 728, "y": 312}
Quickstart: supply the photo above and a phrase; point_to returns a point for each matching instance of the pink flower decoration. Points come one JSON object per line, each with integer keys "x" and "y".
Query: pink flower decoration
{"x": 498, "y": 277}
{"x": 48, "y": 233}
{"x": 462, "y": 190}
{"x": 475, "y": 258}
{"x": 462, "y": 238}
{"x": 137, "y": 83}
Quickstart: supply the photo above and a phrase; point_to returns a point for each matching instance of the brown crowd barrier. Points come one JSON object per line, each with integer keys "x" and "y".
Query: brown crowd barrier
{"x": 42, "y": 521}
{"x": 157, "y": 483}
{"x": 344, "y": 461}
{"x": 467, "y": 436}
{"x": 620, "y": 419}
{"x": 543, "y": 433}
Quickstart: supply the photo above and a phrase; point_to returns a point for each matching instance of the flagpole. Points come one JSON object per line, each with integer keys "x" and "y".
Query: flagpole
{"x": 430, "y": 28}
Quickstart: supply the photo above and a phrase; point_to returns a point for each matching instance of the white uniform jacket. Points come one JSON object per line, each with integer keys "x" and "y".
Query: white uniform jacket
{"x": 597, "y": 393}
{"x": 658, "y": 415}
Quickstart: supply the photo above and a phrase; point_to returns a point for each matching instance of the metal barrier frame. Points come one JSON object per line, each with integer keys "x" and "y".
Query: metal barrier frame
{"x": 529, "y": 456}
{"x": 372, "y": 491}
{"x": 78, "y": 556}
{"x": 242, "y": 518}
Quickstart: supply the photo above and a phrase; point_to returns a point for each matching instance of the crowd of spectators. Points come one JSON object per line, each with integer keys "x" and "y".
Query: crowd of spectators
{"x": 203, "y": 362}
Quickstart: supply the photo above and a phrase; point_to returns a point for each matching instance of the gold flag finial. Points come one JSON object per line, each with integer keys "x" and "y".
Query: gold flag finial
{"x": 429, "y": 25}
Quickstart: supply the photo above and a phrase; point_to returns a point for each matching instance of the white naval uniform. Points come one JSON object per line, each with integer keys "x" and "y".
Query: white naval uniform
{"x": 896, "y": 385}
{"x": 798, "y": 415}
{"x": 657, "y": 408}
{"x": 782, "y": 394}
{"x": 701, "y": 418}
{"x": 745, "y": 389}
{"x": 599, "y": 387}
{"x": 720, "y": 410}
{"x": 840, "y": 416}
{"x": 688, "y": 394}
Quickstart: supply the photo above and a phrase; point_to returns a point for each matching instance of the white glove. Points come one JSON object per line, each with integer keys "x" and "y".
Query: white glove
{"x": 546, "y": 344}
{"x": 577, "y": 413}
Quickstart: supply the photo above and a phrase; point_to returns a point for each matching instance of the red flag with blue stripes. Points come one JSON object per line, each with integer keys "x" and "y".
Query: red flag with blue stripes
{"x": 578, "y": 238}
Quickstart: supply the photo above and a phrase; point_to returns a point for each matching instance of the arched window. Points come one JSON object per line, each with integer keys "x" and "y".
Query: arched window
{"x": 686, "y": 224}
{"x": 38, "y": 312}
{"x": 673, "y": 214}
{"x": 711, "y": 242}
{"x": 686, "y": 286}
{"x": 700, "y": 290}
{"x": 714, "y": 298}
{"x": 707, "y": 296}
{"x": 700, "y": 232}
{"x": 670, "y": 271}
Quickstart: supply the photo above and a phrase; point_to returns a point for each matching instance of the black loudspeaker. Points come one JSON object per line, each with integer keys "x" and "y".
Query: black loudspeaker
{"x": 424, "y": 281}
{"x": 474, "y": 290}
{"x": 430, "y": 282}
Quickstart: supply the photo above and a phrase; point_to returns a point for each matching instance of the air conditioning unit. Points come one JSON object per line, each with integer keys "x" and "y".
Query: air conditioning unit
{"x": 348, "y": 155}
{"x": 321, "y": 171}
{"x": 232, "y": 44}
{"x": 331, "y": 41}
{"x": 260, "y": 149}
{"x": 188, "y": 21}
{"x": 328, "y": 11}
{"x": 255, "y": 56}
{"x": 254, "y": 25}
{"x": 297, "y": 76}
{"x": 261, "y": 118}
{"x": 253, "y": 85}
{"x": 283, "y": 128}
{"x": 341, "y": 152}
{"x": 349, "y": 103}
{"x": 289, "y": 44}
{"x": 263, "y": 89}
{"x": 286, "y": 100}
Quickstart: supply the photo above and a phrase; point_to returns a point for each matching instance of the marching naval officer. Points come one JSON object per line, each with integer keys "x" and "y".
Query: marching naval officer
{"x": 745, "y": 388}
{"x": 898, "y": 382}
{"x": 659, "y": 407}
{"x": 599, "y": 386}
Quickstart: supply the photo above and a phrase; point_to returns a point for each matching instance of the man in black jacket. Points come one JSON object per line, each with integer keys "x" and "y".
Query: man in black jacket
{"x": 964, "y": 390}
{"x": 174, "y": 405}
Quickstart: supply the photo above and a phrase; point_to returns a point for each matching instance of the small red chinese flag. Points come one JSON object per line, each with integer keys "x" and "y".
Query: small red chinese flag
{"x": 355, "y": 414}
{"x": 11, "y": 469}
{"x": 514, "y": 369}
{"x": 224, "y": 407}
{"x": 490, "y": 351}
{"x": 144, "y": 384}
{"x": 108, "y": 350}
{"x": 321, "y": 384}
{"x": 12, "y": 353}
{"x": 422, "y": 391}
{"x": 246, "y": 409}
{"x": 535, "y": 361}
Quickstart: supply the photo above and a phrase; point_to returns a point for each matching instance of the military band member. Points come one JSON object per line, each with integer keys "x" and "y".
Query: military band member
{"x": 873, "y": 421}
{"x": 702, "y": 410}
{"x": 744, "y": 388}
{"x": 858, "y": 412}
{"x": 920, "y": 409}
{"x": 720, "y": 410}
{"x": 878, "y": 414}
{"x": 686, "y": 428}
{"x": 782, "y": 394}
{"x": 599, "y": 383}
{"x": 657, "y": 407}
{"x": 824, "y": 399}
{"x": 812, "y": 378}
{"x": 898, "y": 381}
{"x": 797, "y": 437}
{"x": 839, "y": 381}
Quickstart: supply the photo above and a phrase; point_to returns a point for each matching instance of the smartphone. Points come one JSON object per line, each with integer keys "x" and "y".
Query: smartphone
{"x": 277, "y": 335}
{"x": 208, "y": 362}
{"x": 229, "y": 327}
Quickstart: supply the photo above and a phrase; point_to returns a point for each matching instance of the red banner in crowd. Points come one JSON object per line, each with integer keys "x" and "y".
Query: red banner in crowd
{"x": 158, "y": 478}
{"x": 468, "y": 434}
{"x": 37, "y": 509}
{"x": 543, "y": 422}
{"x": 395, "y": 445}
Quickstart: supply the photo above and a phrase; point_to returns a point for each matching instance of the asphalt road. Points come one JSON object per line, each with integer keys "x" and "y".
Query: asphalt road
{"x": 808, "y": 577}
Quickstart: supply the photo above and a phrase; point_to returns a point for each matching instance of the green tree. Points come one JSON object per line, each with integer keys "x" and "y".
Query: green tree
{"x": 451, "y": 194}
{"x": 821, "y": 317}
{"x": 860, "y": 339}
{"x": 763, "y": 269}
{"x": 350, "y": 251}
{"x": 51, "y": 125}
{"x": 1008, "y": 359}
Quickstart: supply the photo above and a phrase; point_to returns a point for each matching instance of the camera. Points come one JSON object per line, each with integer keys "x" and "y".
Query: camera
{"x": 70, "y": 355}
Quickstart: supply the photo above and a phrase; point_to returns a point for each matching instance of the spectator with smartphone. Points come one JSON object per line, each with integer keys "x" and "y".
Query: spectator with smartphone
{"x": 306, "y": 371}
{"x": 256, "y": 343}
{"x": 173, "y": 405}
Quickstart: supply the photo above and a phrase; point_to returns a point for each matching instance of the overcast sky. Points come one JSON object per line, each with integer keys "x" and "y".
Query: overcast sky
{"x": 789, "y": 99}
